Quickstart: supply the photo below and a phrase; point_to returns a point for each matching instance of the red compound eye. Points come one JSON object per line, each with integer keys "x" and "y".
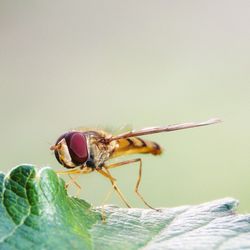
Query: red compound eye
{"x": 77, "y": 146}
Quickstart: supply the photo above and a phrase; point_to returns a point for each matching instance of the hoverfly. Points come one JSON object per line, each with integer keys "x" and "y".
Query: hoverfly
{"x": 83, "y": 152}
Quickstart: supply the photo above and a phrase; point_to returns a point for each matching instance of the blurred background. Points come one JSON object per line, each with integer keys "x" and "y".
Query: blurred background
{"x": 65, "y": 64}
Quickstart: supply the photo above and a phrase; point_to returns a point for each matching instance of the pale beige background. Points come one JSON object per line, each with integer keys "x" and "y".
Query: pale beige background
{"x": 65, "y": 64}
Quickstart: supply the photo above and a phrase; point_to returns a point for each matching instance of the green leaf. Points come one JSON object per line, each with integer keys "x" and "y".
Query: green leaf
{"x": 37, "y": 213}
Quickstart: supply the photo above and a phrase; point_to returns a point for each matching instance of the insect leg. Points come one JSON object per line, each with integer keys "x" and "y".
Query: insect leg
{"x": 73, "y": 171}
{"x": 107, "y": 175}
{"x": 103, "y": 202}
{"x": 112, "y": 180}
{"x": 73, "y": 180}
{"x": 139, "y": 177}
{"x": 118, "y": 164}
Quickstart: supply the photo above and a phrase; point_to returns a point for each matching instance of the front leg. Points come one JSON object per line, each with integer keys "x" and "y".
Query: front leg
{"x": 77, "y": 173}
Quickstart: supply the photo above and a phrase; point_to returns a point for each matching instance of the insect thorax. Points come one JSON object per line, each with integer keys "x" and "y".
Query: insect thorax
{"x": 99, "y": 151}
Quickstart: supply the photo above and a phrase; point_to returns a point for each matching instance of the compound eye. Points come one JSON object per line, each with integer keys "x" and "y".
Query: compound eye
{"x": 77, "y": 146}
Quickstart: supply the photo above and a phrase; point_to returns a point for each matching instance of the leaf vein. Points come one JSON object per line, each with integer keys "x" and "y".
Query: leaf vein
{"x": 24, "y": 218}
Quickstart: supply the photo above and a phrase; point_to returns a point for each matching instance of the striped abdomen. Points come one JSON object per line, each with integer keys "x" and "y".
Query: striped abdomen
{"x": 136, "y": 145}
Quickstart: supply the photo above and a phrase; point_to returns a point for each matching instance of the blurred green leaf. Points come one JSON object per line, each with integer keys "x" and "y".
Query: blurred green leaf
{"x": 37, "y": 213}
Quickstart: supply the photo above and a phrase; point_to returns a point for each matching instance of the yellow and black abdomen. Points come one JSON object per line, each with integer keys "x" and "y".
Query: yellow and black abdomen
{"x": 136, "y": 145}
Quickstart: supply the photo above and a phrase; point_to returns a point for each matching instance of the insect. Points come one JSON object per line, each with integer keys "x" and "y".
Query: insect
{"x": 83, "y": 152}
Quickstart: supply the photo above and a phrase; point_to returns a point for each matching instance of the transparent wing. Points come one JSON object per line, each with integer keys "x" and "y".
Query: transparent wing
{"x": 122, "y": 129}
{"x": 108, "y": 129}
{"x": 169, "y": 128}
